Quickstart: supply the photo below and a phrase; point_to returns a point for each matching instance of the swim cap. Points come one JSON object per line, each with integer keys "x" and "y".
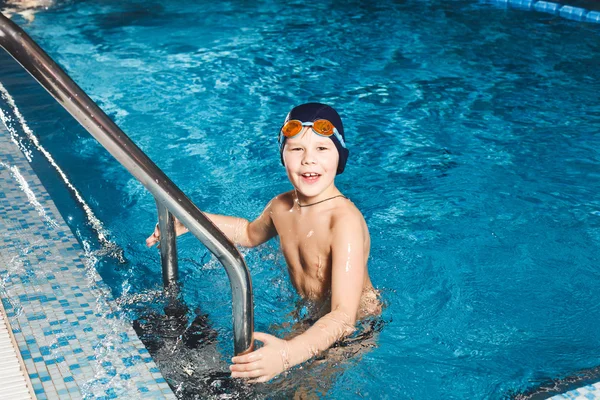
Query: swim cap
{"x": 310, "y": 112}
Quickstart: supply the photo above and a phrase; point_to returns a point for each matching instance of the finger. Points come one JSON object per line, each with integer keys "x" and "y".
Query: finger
{"x": 155, "y": 237}
{"x": 247, "y": 358}
{"x": 245, "y": 367}
{"x": 247, "y": 374}
{"x": 150, "y": 241}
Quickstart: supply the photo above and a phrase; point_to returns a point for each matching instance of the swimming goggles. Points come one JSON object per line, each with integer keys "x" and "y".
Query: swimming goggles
{"x": 321, "y": 127}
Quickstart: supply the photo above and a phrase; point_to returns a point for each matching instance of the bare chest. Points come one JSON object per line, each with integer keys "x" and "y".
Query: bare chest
{"x": 306, "y": 244}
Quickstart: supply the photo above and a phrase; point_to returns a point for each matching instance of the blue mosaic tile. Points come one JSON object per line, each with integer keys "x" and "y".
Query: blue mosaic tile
{"x": 593, "y": 16}
{"x": 552, "y": 7}
{"x": 67, "y": 326}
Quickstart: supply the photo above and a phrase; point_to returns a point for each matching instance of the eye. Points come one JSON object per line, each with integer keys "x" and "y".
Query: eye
{"x": 296, "y": 149}
{"x": 322, "y": 148}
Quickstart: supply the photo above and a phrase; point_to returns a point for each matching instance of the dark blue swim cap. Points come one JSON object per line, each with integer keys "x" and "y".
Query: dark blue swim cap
{"x": 310, "y": 112}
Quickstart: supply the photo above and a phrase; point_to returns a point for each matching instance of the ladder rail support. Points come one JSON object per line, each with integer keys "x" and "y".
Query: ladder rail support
{"x": 167, "y": 195}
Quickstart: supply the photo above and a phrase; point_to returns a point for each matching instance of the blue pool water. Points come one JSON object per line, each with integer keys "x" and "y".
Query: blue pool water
{"x": 474, "y": 156}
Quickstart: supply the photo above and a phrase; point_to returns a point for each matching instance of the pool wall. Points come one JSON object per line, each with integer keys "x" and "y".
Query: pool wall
{"x": 70, "y": 332}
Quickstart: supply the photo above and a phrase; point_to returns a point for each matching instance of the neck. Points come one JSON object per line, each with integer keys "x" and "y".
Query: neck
{"x": 327, "y": 194}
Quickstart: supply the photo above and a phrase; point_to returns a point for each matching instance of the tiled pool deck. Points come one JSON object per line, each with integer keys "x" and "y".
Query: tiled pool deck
{"x": 64, "y": 319}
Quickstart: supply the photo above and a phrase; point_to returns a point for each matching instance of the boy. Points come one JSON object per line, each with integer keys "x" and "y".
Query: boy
{"x": 323, "y": 236}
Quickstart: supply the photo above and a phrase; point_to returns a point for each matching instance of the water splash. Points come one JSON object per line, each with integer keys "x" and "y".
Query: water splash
{"x": 29, "y": 193}
{"x": 110, "y": 247}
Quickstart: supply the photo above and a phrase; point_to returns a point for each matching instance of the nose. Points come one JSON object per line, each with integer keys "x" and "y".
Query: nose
{"x": 308, "y": 156}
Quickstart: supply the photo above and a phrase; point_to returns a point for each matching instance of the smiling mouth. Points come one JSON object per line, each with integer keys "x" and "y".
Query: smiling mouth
{"x": 310, "y": 177}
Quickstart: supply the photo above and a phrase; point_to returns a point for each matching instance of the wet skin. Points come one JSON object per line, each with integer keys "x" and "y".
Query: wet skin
{"x": 326, "y": 247}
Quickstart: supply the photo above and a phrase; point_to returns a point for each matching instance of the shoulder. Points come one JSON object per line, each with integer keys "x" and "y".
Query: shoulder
{"x": 283, "y": 201}
{"x": 347, "y": 219}
{"x": 348, "y": 230}
{"x": 346, "y": 212}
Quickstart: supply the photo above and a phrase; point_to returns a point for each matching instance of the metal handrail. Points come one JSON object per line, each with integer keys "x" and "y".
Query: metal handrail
{"x": 169, "y": 198}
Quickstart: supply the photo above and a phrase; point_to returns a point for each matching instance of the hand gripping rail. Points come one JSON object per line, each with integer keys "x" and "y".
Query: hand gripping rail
{"x": 169, "y": 198}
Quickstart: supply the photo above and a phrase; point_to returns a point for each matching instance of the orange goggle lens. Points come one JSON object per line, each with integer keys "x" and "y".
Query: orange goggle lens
{"x": 320, "y": 126}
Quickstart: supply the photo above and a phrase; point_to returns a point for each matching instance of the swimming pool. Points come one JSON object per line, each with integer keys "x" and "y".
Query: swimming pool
{"x": 474, "y": 157}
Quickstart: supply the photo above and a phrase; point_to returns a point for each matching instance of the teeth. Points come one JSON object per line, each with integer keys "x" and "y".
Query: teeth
{"x": 310, "y": 174}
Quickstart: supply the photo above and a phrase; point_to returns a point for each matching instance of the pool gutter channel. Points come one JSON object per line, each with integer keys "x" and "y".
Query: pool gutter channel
{"x": 14, "y": 378}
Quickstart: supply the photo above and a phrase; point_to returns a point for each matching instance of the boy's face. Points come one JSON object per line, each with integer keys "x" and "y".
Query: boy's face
{"x": 310, "y": 162}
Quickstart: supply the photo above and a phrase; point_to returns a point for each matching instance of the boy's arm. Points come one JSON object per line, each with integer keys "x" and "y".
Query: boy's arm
{"x": 241, "y": 231}
{"x": 348, "y": 274}
{"x": 238, "y": 230}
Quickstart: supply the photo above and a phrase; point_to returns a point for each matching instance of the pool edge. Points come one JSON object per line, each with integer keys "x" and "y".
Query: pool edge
{"x": 63, "y": 317}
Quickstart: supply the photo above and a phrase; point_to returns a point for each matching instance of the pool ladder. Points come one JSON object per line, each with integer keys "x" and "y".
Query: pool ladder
{"x": 170, "y": 200}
